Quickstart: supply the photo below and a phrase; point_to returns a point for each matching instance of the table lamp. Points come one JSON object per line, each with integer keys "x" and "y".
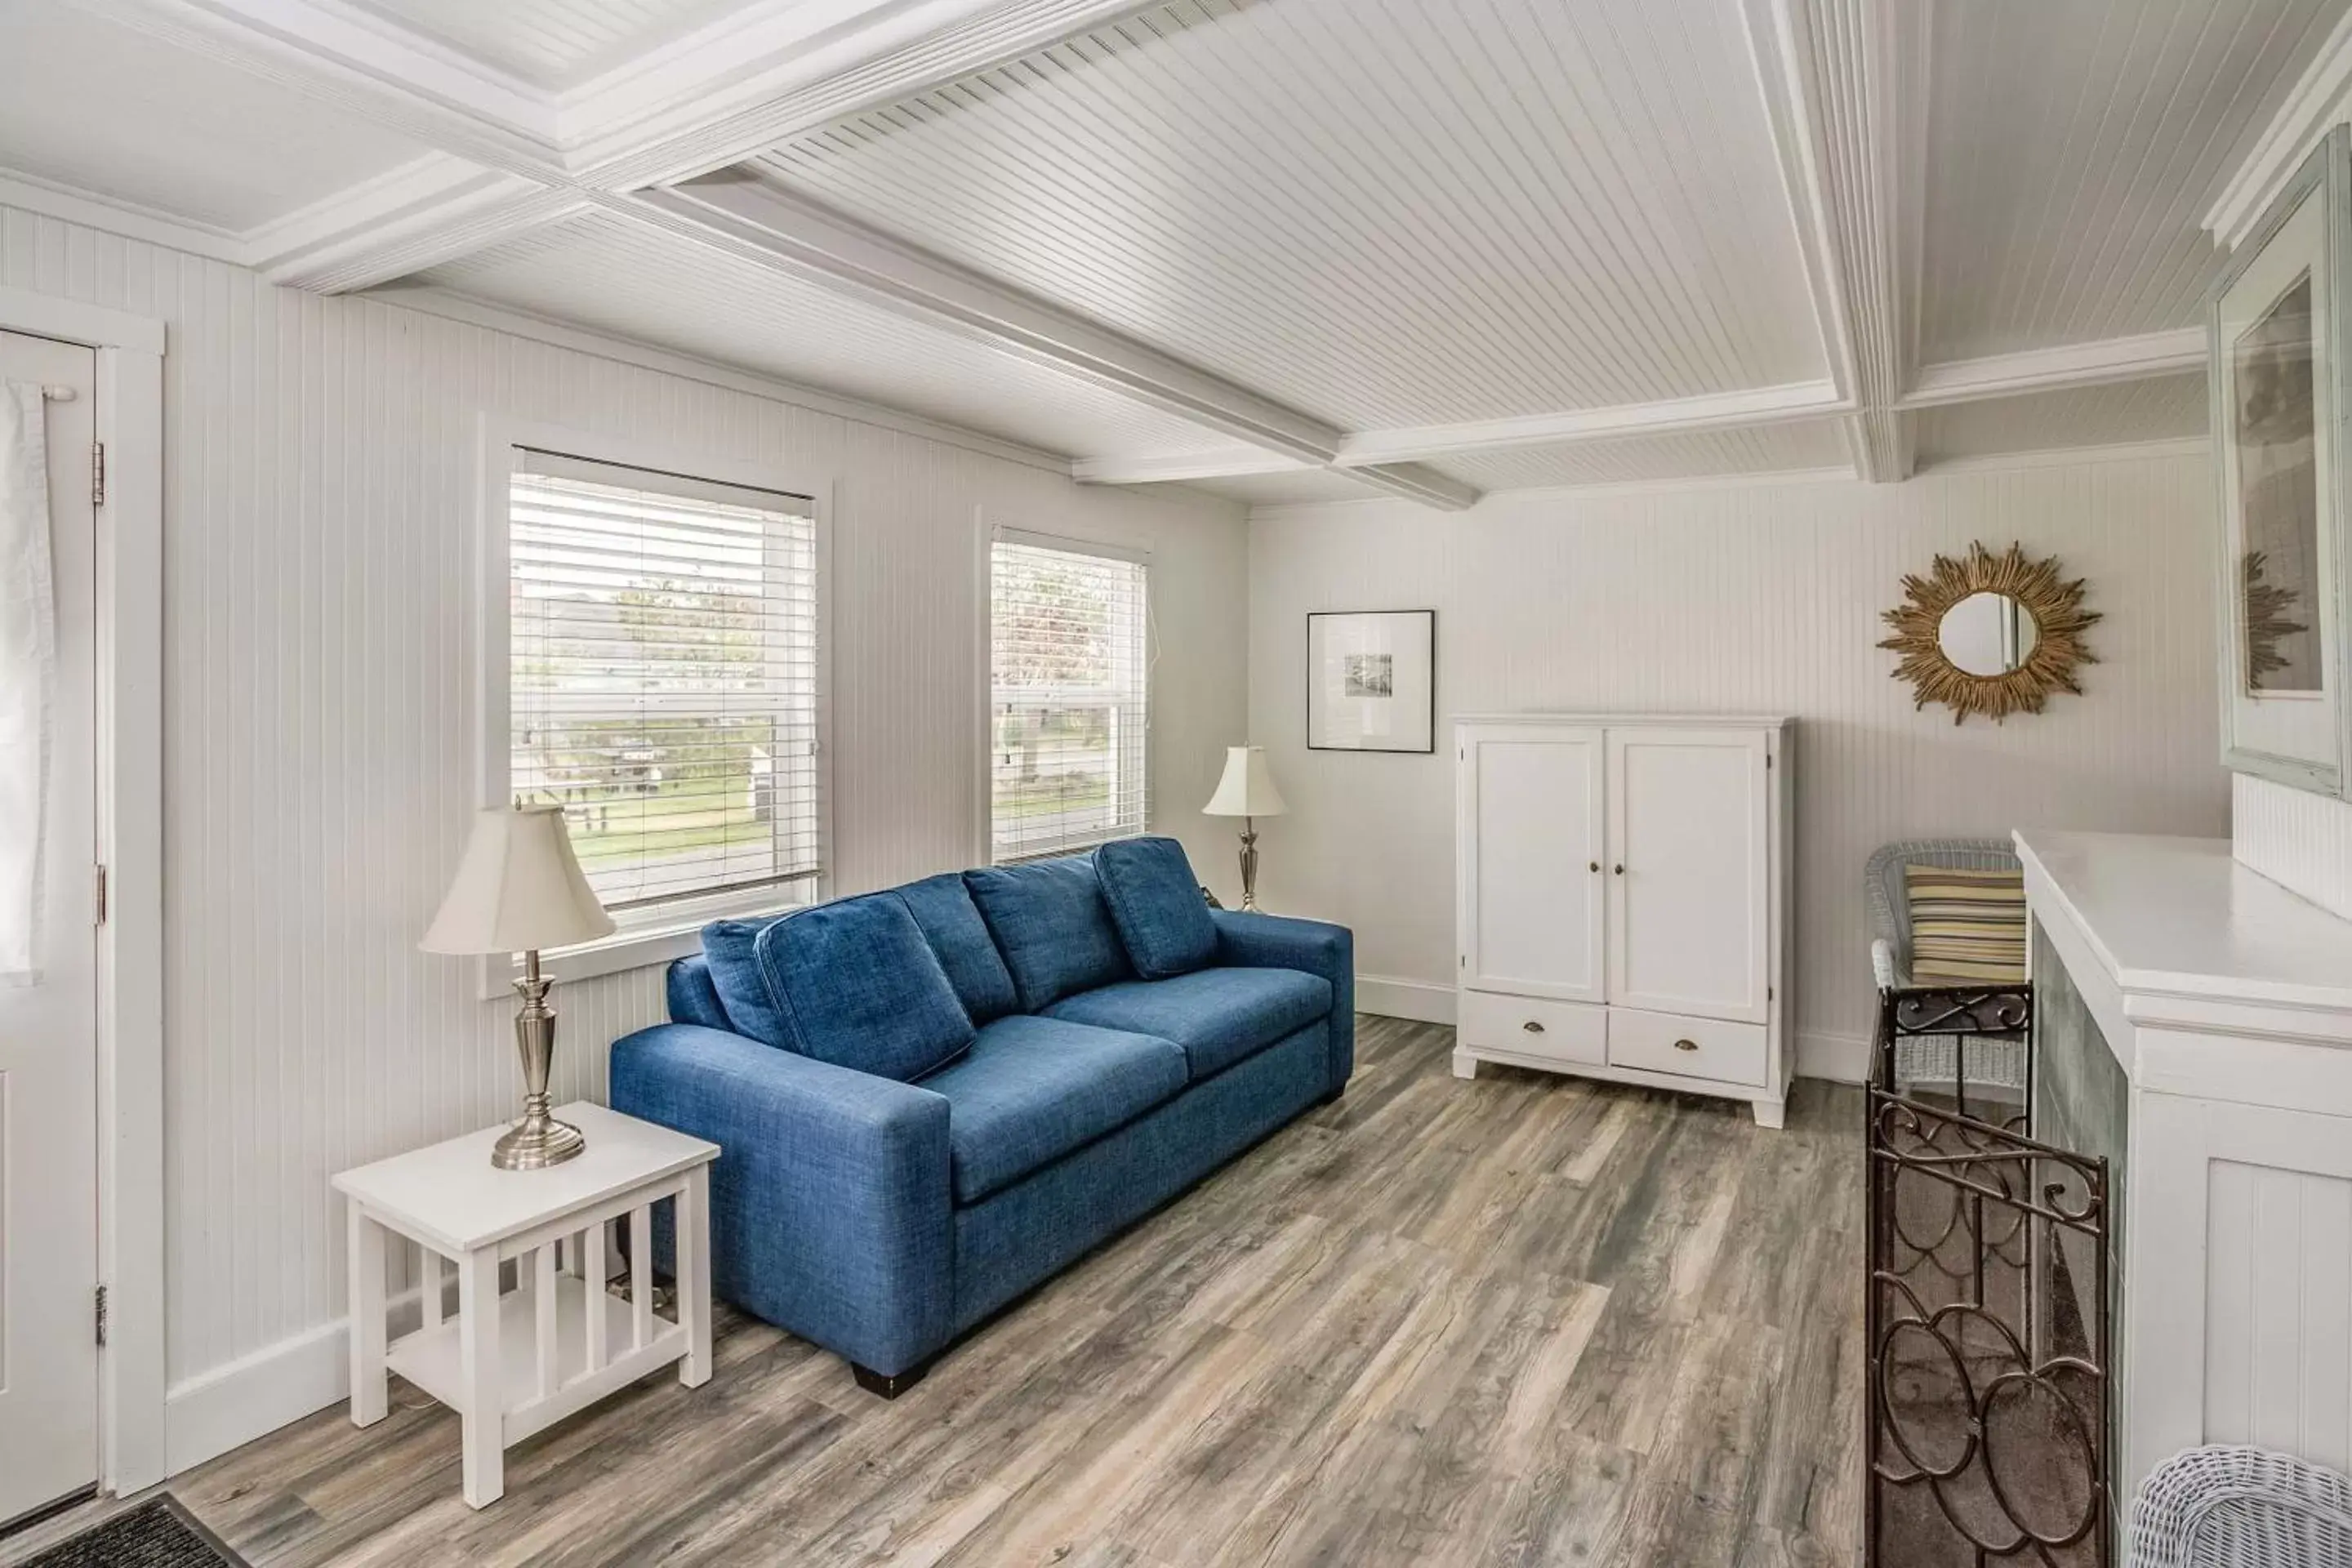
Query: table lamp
{"x": 518, "y": 890}
{"x": 1247, "y": 792}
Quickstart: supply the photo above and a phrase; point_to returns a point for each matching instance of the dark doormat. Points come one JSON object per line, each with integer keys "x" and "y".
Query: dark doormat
{"x": 155, "y": 1534}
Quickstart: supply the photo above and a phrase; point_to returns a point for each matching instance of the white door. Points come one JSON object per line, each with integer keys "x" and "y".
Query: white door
{"x": 48, "y": 1029}
{"x": 1689, "y": 865}
{"x": 1529, "y": 803}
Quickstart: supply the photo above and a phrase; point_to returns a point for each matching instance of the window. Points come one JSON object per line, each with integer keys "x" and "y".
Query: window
{"x": 1067, "y": 676}
{"x": 662, "y": 683}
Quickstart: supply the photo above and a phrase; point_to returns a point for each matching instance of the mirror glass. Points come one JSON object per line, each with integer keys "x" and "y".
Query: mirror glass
{"x": 2278, "y": 496}
{"x": 1987, "y": 633}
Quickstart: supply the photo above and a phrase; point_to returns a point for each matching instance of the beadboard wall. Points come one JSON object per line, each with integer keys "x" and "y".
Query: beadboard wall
{"x": 2297, "y": 839}
{"x": 320, "y": 738}
{"x": 1756, "y": 598}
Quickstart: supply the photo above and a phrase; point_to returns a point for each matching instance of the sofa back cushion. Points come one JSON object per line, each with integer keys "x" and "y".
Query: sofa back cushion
{"x": 1052, "y": 926}
{"x": 735, "y": 975}
{"x": 1155, "y": 901}
{"x": 693, "y": 999}
{"x": 857, "y": 985}
{"x": 952, "y": 925}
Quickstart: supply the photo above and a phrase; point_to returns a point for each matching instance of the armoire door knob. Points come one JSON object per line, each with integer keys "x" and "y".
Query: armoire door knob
{"x": 1596, "y": 868}
{"x": 1619, "y": 869}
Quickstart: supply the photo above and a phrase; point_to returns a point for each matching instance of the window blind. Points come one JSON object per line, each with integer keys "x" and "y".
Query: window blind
{"x": 1069, "y": 717}
{"x": 663, "y": 676}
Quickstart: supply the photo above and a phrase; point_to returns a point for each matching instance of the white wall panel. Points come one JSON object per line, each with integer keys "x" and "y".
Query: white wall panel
{"x": 1761, "y": 598}
{"x": 320, "y": 737}
{"x": 2278, "y": 1352}
{"x": 2295, "y": 837}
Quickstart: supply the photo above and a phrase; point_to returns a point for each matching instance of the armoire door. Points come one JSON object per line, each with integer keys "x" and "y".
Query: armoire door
{"x": 1690, "y": 871}
{"x": 1532, "y": 821}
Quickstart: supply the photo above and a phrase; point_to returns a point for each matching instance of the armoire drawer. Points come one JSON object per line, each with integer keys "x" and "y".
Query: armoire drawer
{"x": 1691, "y": 1047}
{"x": 1532, "y": 1026}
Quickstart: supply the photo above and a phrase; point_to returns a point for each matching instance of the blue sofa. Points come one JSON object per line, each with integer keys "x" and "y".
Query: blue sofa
{"x": 933, "y": 1098}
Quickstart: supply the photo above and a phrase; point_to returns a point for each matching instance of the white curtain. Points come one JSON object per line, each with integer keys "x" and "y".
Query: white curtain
{"x": 27, "y": 673}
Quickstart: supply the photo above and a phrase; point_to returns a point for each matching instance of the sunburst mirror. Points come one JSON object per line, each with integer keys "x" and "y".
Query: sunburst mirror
{"x": 1990, "y": 634}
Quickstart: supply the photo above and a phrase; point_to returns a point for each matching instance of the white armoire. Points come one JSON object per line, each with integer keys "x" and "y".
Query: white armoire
{"x": 1622, "y": 900}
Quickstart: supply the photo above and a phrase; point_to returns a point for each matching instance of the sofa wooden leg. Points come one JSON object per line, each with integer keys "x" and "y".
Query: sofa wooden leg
{"x": 889, "y": 1385}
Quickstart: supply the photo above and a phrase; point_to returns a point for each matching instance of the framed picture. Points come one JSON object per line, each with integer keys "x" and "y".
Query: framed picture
{"x": 1371, "y": 681}
{"x": 2281, "y": 366}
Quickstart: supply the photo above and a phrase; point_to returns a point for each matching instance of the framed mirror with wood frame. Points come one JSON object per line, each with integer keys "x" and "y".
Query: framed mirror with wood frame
{"x": 1991, "y": 635}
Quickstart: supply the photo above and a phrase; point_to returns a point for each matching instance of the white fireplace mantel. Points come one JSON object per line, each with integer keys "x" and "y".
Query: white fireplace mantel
{"x": 2227, "y": 1000}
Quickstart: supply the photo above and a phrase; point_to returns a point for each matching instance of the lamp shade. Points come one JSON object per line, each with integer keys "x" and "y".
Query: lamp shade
{"x": 1247, "y": 789}
{"x": 518, "y": 888}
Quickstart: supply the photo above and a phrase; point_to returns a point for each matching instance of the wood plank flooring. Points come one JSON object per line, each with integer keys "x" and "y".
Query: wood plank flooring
{"x": 1519, "y": 1321}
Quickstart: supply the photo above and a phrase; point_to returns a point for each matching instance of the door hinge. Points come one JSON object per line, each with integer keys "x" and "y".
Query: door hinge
{"x": 97, "y": 473}
{"x": 101, "y": 919}
{"x": 100, "y": 1306}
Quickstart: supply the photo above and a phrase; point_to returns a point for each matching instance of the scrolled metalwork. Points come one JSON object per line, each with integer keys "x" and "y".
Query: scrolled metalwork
{"x": 1989, "y": 1322}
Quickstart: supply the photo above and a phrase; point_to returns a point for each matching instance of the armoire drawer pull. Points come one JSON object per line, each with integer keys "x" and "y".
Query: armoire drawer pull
{"x": 1532, "y": 1027}
{"x": 1685, "y": 1045}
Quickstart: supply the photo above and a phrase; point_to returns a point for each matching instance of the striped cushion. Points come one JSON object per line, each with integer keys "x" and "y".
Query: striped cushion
{"x": 1966, "y": 926}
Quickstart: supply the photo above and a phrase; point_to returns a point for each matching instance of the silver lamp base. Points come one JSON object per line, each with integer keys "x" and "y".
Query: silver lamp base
{"x": 1249, "y": 863}
{"x": 539, "y": 1140}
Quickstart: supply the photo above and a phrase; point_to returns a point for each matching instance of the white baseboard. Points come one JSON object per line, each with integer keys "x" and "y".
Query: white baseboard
{"x": 1422, "y": 1001}
{"x": 1842, "y": 1059}
{"x": 230, "y": 1406}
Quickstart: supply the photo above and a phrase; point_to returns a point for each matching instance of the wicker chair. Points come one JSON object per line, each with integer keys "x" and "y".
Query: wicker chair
{"x": 2241, "y": 1507}
{"x": 1998, "y": 1065}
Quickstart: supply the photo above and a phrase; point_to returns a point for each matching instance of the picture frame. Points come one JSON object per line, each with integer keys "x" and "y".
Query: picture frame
{"x": 2279, "y": 331}
{"x": 1371, "y": 681}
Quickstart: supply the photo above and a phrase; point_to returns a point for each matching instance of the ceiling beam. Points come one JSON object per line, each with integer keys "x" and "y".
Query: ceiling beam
{"x": 739, "y": 87}
{"x": 2320, "y": 99}
{"x": 1844, "y": 84}
{"x": 763, "y": 222}
{"x": 411, "y": 218}
{"x": 2099, "y": 364}
{"x": 1233, "y": 462}
{"x": 1415, "y": 483}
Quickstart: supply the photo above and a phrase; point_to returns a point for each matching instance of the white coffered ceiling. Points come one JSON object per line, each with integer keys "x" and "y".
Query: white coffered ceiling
{"x": 1286, "y": 249}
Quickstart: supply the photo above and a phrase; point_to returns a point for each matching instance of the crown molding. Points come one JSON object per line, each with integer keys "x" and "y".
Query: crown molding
{"x": 2067, "y": 456}
{"x": 2320, "y": 99}
{"x": 1176, "y": 468}
{"x": 2096, "y": 363}
{"x": 764, "y": 222}
{"x": 1709, "y": 411}
{"x": 450, "y": 305}
{"x": 129, "y": 219}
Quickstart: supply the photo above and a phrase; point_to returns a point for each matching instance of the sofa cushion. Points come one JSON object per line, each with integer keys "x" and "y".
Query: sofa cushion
{"x": 1032, "y": 1089}
{"x": 735, "y": 975}
{"x": 1217, "y": 1016}
{"x": 1155, "y": 901}
{"x": 693, "y": 999}
{"x": 1052, "y": 926}
{"x": 951, "y": 923}
{"x": 857, "y": 985}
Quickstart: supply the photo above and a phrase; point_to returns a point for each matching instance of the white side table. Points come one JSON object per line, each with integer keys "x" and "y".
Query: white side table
{"x": 516, "y": 1363}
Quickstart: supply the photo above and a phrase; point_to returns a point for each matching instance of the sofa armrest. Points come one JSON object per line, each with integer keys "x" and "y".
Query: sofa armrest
{"x": 830, "y": 1211}
{"x": 1252, "y": 940}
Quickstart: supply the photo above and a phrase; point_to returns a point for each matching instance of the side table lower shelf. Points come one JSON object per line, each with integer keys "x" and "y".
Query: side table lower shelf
{"x": 535, "y": 1397}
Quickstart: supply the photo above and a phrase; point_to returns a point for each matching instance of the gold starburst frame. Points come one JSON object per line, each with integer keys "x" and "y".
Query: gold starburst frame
{"x": 2059, "y": 621}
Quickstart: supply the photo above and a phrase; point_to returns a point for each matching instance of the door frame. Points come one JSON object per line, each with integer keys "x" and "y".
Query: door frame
{"x": 130, "y": 770}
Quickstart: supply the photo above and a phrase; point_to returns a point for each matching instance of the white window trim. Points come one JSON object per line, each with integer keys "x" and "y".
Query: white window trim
{"x": 984, "y": 537}
{"x": 672, "y": 929}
